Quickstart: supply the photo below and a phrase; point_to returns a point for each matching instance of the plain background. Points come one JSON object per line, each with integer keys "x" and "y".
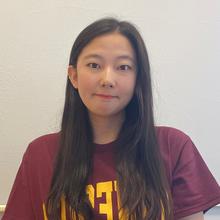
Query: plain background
{"x": 182, "y": 38}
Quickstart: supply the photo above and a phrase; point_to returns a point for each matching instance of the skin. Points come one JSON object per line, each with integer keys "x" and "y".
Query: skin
{"x": 105, "y": 78}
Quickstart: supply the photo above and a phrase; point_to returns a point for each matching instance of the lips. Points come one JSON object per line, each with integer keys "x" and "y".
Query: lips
{"x": 105, "y": 96}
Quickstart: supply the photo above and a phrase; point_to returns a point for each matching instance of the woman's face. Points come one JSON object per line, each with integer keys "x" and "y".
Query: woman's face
{"x": 105, "y": 75}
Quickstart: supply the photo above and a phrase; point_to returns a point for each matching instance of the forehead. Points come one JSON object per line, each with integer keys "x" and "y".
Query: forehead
{"x": 114, "y": 44}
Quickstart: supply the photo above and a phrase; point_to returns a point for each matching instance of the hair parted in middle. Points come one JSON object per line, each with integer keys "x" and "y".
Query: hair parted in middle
{"x": 141, "y": 178}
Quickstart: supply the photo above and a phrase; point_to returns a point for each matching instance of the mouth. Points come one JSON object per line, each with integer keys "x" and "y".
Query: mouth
{"x": 105, "y": 96}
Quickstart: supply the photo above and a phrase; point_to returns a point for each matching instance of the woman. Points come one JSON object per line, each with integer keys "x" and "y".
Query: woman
{"x": 110, "y": 161}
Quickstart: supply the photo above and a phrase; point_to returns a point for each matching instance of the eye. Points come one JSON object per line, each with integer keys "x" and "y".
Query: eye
{"x": 93, "y": 65}
{"x": 125, "y": 67}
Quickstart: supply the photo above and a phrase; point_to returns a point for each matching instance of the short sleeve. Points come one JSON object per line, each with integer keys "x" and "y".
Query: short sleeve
{"x": 194, "y": 189}
{"x": 19, "y": 202}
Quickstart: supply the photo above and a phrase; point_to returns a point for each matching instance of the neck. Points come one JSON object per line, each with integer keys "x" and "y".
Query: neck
{"x": 106, "y": 129}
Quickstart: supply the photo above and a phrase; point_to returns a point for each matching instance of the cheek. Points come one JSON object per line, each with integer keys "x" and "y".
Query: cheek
{"x": 85, "y": 83}
{"x": 129, "y": 86}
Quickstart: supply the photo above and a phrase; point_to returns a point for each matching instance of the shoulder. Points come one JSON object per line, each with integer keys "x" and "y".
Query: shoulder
{"x": 169, "y": 133}
{"x": 172, "y": 139}
{"x": 176, "y": 147}
{"x": 191, "y": 191}
{"x": 45, "y": 145}
{"x": 47, "y": 139}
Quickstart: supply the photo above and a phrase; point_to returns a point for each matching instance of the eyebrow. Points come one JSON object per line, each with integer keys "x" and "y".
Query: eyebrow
{"x": 118, "y": 57}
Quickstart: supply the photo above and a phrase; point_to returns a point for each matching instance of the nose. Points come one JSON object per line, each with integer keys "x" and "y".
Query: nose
{"x": 107, "y": 79}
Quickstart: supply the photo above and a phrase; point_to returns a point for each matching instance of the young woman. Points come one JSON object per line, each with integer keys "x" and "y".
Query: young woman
{"x": 110, "y": 161}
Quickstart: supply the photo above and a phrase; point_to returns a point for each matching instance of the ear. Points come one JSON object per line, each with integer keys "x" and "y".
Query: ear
{"x": 72, "y": 73}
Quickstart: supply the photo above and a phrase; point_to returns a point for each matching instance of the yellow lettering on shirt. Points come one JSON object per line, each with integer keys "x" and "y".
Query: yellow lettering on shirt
{"x": 120, "y": 213}
{"x": 63, "y": 208}
{"x": 103, "y": 190}
{"x": 162, "y": 214}
{"x": 91, "y": 193}
{"x": 73, "y": 216}
{"x": 44, "y": 212}
{"x": 105, "y": 208}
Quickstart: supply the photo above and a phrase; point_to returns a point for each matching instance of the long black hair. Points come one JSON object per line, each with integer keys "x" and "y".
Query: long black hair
{"x": 142, "y": 183}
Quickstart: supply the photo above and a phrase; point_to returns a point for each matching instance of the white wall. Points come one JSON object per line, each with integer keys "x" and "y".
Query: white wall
{"x": 36, "y": 37}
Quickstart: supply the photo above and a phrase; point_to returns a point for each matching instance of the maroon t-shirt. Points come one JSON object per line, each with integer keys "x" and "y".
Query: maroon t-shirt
{"x": 193, "y": 187}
